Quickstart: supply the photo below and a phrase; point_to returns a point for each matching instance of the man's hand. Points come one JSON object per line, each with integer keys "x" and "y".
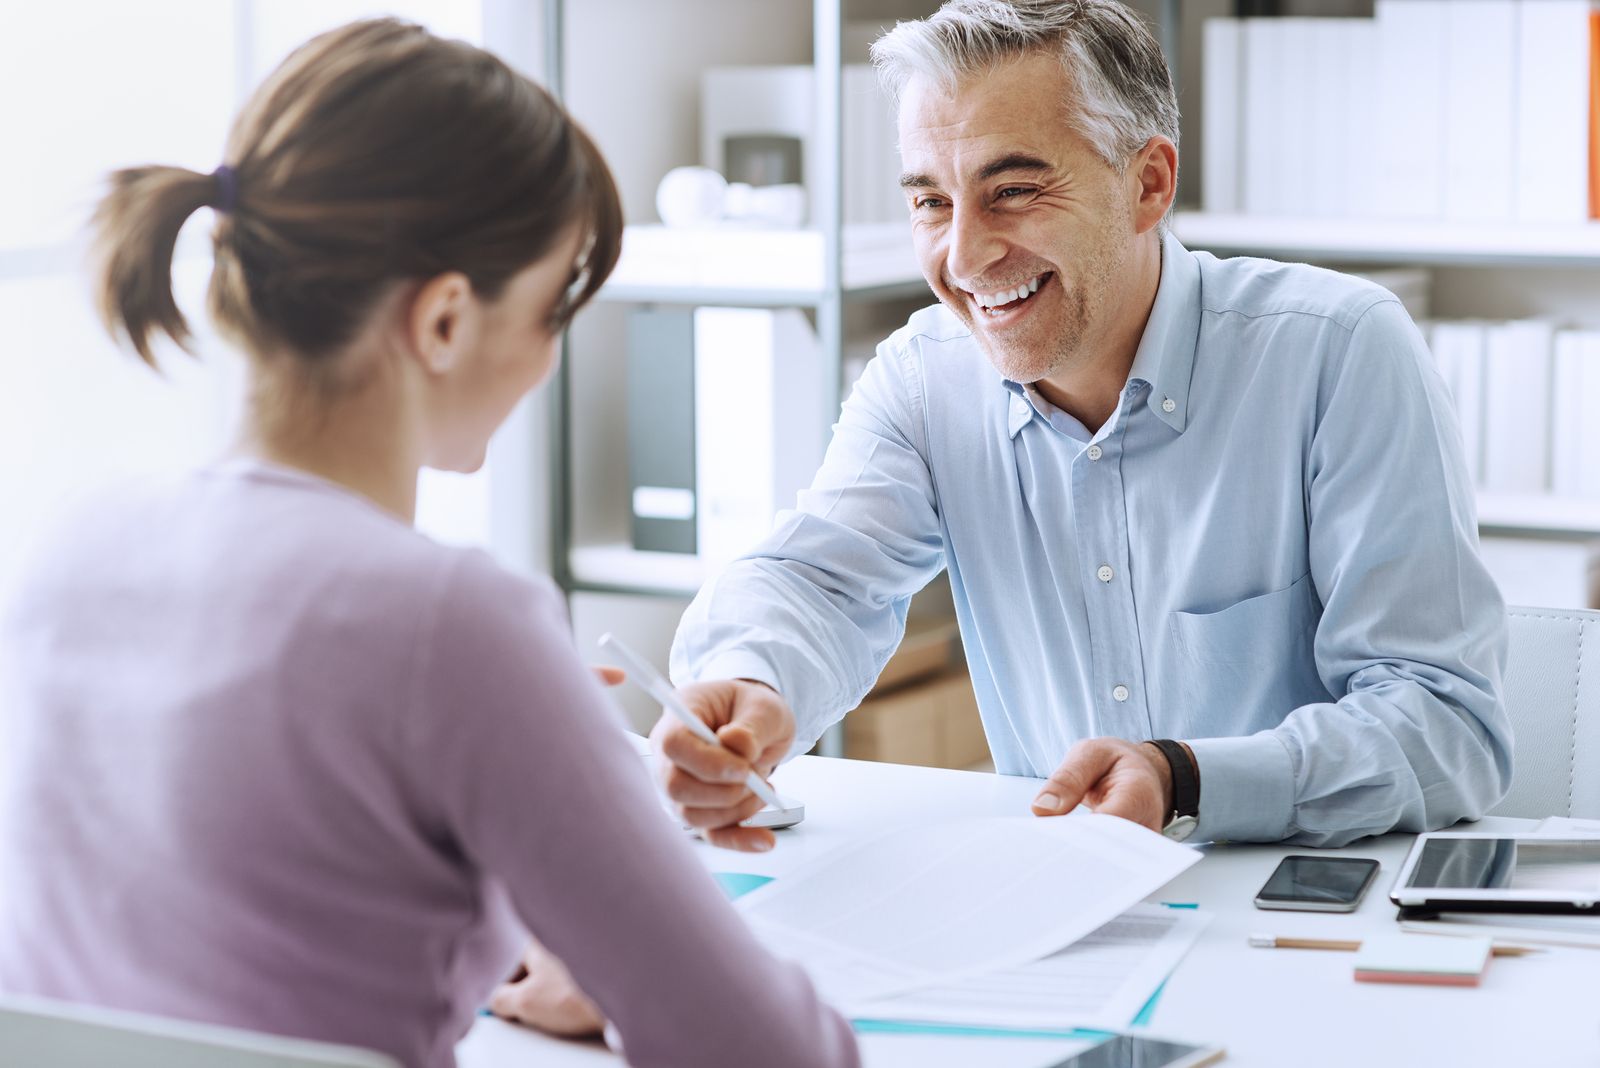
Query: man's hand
{"x": 1114, "y": 777}
{"x": 755, "y": 728}
{"x": 543, "y": 994}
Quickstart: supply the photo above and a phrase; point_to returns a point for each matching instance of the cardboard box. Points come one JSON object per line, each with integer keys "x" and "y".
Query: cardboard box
{"x": 933, "y": 723}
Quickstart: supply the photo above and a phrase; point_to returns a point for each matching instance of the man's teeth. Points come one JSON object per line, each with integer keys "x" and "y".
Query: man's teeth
{"x": 1006, "y": 296}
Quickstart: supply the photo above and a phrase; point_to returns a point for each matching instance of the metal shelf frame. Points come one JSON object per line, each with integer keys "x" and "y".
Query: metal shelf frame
{"x": 1437, "y": 244}
{"x": 827, "y": 303}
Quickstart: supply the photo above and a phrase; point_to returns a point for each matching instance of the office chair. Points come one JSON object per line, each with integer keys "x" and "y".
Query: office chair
{"x": 43, "y": 1033}
{"x": 1552, "y": 691}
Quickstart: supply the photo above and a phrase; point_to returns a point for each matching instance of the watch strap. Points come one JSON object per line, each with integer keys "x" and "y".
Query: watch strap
{"x": 1185, "y": 781}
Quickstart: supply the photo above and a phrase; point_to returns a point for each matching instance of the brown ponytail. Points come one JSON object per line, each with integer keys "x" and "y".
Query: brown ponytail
{"x": 374, "y": 154}
{"x": 136, "y": 230}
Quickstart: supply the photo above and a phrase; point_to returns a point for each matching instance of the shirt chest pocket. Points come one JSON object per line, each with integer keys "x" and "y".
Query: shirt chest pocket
{"x": 1274, "y": 629}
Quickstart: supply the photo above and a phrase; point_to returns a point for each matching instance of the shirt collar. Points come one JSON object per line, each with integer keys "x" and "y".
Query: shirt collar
{"x": 1165, "y": 357}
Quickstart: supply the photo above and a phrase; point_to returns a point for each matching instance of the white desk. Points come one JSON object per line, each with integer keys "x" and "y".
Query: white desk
{"x": 1270, "y": 1008}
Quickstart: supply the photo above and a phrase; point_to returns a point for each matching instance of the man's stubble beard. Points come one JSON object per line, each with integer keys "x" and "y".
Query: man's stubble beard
{"x": 1050, "y": 348}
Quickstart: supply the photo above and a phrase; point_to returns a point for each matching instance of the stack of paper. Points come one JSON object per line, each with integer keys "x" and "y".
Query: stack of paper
{"x": 944, "y": 918}
{"x": 1100, "y": 981}
{"x": 1578, "y": 932}
{"x": 1394, "y": 958}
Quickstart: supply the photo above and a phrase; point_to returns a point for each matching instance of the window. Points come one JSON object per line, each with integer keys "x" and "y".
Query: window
{"x": 86, "y": 87}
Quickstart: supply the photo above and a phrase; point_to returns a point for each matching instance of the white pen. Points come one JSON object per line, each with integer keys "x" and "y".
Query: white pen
{"x": 642, "y": 672}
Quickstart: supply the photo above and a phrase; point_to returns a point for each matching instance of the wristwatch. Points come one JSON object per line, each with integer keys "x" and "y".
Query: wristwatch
{"x": 1183, "y": 818}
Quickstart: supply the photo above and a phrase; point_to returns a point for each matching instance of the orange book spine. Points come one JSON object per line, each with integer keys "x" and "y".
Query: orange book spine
{"x": 1594, "y": 114}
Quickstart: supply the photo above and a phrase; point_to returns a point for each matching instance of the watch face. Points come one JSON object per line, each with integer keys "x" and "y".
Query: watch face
{"x": 1180, "y": 828}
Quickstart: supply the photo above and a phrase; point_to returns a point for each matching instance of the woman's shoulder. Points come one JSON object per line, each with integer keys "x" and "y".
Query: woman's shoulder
{"x": 479, "y": 603}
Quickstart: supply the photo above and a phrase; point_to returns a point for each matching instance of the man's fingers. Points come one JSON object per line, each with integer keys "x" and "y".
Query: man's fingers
{"x": 684, "y": 789}
{"x": 713, "y": 818}
{"x": 1067, "y": 786}
{"x": 708, "y": 782}
{"x": 754, "y": 729}
{"x": 1115, "y": 776}
{"x": 706, "y": 762}
{"x": 743, "y": 839}
{"x": 739, "y": 738}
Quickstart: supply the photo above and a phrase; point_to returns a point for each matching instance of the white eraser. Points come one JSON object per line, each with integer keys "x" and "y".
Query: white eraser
{"x": 1412, "y": 958}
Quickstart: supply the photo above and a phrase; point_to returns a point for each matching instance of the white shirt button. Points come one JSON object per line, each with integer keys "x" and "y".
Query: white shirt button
{"x": 1120, "y": 693}
{"x": 1094, "y": 452}
{"x": 1105, "y": 573}
{"x": 1169, "y": 405}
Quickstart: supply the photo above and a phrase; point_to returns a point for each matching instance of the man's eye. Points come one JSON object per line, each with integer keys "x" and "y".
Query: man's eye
{"x": 1013, "y": 191}
{"x": 928, "y": 203}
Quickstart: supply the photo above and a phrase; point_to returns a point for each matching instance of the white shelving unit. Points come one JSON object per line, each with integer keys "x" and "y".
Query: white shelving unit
{"x": 1537, "y": 514}
{"x": 737, "y": 268}
{"x": 821, "y": 269}
{"x": 1390, "y": 241}
{"x": 662, "y": 264}
{"x": 1500, "y": 251}
{"x": 617, "y": 567}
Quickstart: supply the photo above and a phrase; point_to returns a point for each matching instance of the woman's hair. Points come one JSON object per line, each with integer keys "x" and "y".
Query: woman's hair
{"x": 374, "y": 154}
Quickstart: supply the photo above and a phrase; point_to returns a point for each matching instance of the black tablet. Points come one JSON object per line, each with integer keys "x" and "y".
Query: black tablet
{"x": 1466, "y": 872}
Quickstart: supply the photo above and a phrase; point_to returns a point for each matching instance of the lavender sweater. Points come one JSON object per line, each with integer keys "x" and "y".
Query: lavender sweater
{"x": 275, "y": 760}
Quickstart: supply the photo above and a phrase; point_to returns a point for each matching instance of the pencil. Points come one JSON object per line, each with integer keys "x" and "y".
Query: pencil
{"x": 1262, "y": 941}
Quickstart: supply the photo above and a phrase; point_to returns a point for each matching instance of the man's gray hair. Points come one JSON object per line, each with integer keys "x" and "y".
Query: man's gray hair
{"x": 1122, "y": 92}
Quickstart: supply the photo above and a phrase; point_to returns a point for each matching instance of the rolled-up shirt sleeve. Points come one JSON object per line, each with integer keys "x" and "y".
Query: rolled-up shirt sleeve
{"x": 1412, "y": 632}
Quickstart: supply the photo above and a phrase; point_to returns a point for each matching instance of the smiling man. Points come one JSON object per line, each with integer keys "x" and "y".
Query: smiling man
{"x": 1207, "y": 521}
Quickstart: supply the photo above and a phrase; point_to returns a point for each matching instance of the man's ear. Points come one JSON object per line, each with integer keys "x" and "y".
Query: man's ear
{"x": 1153, "y": 182}
{"x": 436, "y": 321}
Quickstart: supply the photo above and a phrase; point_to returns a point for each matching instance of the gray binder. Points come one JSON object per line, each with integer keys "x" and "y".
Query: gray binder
{"x": 661, "y": 431}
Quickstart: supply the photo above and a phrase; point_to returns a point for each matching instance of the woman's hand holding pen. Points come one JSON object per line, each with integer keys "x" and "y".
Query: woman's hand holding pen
{"x": 755, "y": 729}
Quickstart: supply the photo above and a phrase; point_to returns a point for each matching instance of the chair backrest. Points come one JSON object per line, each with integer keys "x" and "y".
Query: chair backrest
{"x": 43, "y": 1033}
{"x": 1552, "y": 692}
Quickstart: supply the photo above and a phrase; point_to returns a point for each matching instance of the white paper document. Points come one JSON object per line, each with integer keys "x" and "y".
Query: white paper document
{"x": 923, "y": 906}
{"x": 1520, "y": 928}
{"x": 1100, "y": 981}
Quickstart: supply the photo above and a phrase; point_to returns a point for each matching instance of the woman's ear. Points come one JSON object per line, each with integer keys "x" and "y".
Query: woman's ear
{"x": 438, "y": 321}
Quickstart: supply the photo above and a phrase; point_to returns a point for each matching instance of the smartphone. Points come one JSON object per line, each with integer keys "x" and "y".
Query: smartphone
{"x": 1318, "y": 884}
{"x": 1130, "y": 1051}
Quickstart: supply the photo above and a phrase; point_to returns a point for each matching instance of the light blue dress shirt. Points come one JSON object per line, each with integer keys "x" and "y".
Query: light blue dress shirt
{"x": 1269, "y": 551}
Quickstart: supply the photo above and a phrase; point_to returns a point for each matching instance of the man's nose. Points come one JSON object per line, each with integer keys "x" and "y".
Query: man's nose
{"x": 974, "y": 245}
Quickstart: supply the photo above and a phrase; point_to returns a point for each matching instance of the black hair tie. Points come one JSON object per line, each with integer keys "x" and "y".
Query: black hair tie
{"x": 227, "y": 195}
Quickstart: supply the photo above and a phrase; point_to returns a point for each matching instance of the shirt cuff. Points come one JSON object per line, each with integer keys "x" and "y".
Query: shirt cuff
{"x": 1246, "y": 788}
{"x": 734, "y": 664}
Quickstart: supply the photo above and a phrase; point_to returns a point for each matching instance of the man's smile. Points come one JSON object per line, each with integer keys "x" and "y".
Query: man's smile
{"x": 1002, "y": 304}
